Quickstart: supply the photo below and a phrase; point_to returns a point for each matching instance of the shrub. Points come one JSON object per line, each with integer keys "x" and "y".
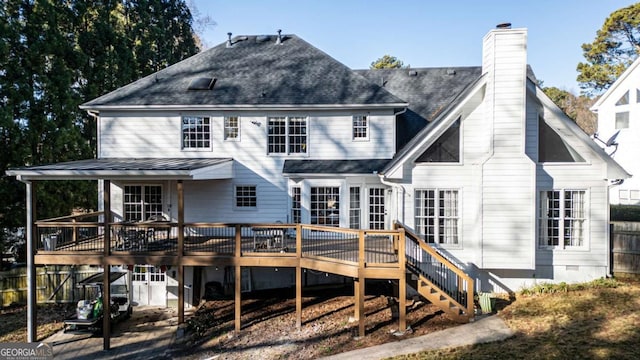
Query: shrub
{"x": 625, "y": 213}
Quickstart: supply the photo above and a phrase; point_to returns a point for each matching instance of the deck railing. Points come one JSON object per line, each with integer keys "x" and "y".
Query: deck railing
{"x": 85, "y": 233}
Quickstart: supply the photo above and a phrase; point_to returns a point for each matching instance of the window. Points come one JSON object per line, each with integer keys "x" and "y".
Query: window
{"x": 287, "y": 135}
{"x": 141, "y": 202}
{"x": 629, "y": 197}
{"x": 354, "y": 207}
{"x": 622, "y": 120}
{"x": 624, "y": 99}
{"x": 562, "y": 219}
{"x": 638, "y": 95}
{"x": 325, "y": 206}
{"x": 360, "y": 127}
{"x": 552, "y": 147}
{"x": 376, "y": 209}
{"x": 246, "y": 196}
{"x": 296, "y": 205}
{"x": 231, "y": 128}
{"x": 437, "y": 216}
{"x": 196, "y": 132}
{"x": 446, "y": 149}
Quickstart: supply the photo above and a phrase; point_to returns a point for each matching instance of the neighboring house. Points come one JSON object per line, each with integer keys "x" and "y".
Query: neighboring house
{"x": 478, "y": 161}
{"x": 618, "y": 111}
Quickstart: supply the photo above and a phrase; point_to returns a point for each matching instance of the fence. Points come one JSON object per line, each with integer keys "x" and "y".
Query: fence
{"x": 54, "y": 284}
{"x": 625, "y": 244}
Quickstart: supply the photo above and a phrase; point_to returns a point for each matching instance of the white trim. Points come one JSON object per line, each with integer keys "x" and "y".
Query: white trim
{"x": 244, "y": 107}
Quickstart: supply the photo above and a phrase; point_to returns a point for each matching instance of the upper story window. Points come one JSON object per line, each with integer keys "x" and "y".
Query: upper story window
{"x": 231, "y": 128}
{"x": 246, "y": 196}
{"x": 287, "y": 135}
{"x": 196, "y": 132}
{"x": 562, "y": 220}
{"x": 437, "y": 215}
{"x": 360, "y": 125}
{"x": 446, "y": 149}
{"x": 624, "y": 99}
{"x": 622, "y": 120}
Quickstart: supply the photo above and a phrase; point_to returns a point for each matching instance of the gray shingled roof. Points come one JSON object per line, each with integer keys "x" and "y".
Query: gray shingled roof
{"x": 254, "y": 71}
{"x": 366, "y": 166}
{"x": 427, "y": 90}
{"x": 119, "y": 167}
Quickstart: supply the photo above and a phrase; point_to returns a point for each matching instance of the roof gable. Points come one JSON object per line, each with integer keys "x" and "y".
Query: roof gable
{"x": 616, "y": 84}
{"x": 253, "y": 71}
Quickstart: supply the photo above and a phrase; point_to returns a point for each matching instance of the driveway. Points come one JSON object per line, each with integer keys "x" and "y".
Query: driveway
{"x": 148, "y": 334}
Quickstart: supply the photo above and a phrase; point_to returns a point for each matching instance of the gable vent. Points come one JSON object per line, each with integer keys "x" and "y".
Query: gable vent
{"x": 202, "y": 83}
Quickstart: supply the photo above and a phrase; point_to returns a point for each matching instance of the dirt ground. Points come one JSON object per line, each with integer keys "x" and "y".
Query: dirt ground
{"x": 269, "y": 327}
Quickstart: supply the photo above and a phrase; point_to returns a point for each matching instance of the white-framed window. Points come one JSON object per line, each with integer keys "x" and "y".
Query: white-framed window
{"x": 246, "y": 197}
{"x": 562, "y": 219}
{"x": 629, "y": 197}
{"x": 437, "y": 215}
{"x": 140, "y": 202}
{"x": 196, "y": 132}
{"x": 325, "y": 205}
{"x": 231, "y": 128}
{"x": 354, "y": 207}
{"x": 287, "y": 135}
{"x": 622, "y": 120}
{"x": 377, "y": 212}
{"x": 624, "y": 99}
{"x": 360, "y": 126}
{"x": 296, "y": 205}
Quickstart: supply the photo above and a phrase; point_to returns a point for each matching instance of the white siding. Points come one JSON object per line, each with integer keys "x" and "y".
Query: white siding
{"x": 508, "y": 180}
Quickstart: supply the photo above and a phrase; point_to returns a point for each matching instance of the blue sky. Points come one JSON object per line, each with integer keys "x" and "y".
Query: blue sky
{"x": 421, "y": 33}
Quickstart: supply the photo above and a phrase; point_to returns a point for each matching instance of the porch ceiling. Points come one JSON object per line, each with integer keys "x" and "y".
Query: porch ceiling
{"x": 128, "y": 169}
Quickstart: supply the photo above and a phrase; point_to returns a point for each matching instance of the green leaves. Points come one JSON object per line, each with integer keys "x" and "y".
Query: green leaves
{"x": 387, "y": 62}
{"x": 616, "y": 45}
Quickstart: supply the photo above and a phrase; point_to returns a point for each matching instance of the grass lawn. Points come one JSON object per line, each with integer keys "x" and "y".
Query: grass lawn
{"x": 597, "y": 320}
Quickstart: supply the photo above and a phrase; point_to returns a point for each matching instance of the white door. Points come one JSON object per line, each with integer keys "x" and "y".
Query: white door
{"x": 149, "y": 285}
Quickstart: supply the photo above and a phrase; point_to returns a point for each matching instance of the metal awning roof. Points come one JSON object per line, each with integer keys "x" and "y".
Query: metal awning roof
{"x": 129, "y": 169}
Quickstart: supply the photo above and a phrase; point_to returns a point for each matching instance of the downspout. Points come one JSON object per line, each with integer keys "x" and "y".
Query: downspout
{"x": 393, "y": 185}
{"x": 403, "y": 192}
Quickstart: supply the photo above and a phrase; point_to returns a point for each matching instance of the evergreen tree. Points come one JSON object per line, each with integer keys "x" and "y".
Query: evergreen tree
{"x": 616, "y": 46}
{"x": 56, "y": 55}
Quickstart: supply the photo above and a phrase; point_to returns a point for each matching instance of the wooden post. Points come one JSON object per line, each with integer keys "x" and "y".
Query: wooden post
{"x": 180, "y": 187}
{"x": 106, "y": 281}
{"x": 32, "y": 322}
{"x": 106, "y": 306}
{"x": 238, "y": 279}
{"x": 402, "y": 282}
{"x": 298, "y": 276}
{"x": 360, "y": 285}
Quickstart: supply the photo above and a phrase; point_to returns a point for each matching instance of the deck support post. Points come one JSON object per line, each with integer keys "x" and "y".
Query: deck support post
{"x": 298, "y": 276}
{"x": 238, "y": 279}
{"x": 106, "y": 306}
{"x": 402, "y": 282}
{"x": 32, "y": 321}
{"x": 359, "y": 291}
{"x": 106, "y": 281}
{"x": 180, "y": 189}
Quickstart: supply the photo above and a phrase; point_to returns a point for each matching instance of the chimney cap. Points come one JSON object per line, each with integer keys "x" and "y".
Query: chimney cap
{"x": 504, "y": 25}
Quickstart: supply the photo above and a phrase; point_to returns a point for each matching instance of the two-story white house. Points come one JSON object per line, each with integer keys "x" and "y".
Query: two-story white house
{"x": 477, "y": 161}
{"x": 618, "y": 111}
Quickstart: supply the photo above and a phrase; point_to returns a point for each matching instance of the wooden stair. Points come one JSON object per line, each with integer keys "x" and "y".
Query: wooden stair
{"x": 436, "y": 296}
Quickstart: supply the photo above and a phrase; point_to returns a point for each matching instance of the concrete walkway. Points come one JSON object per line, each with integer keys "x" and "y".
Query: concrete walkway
{"x": 485, "y": 329}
